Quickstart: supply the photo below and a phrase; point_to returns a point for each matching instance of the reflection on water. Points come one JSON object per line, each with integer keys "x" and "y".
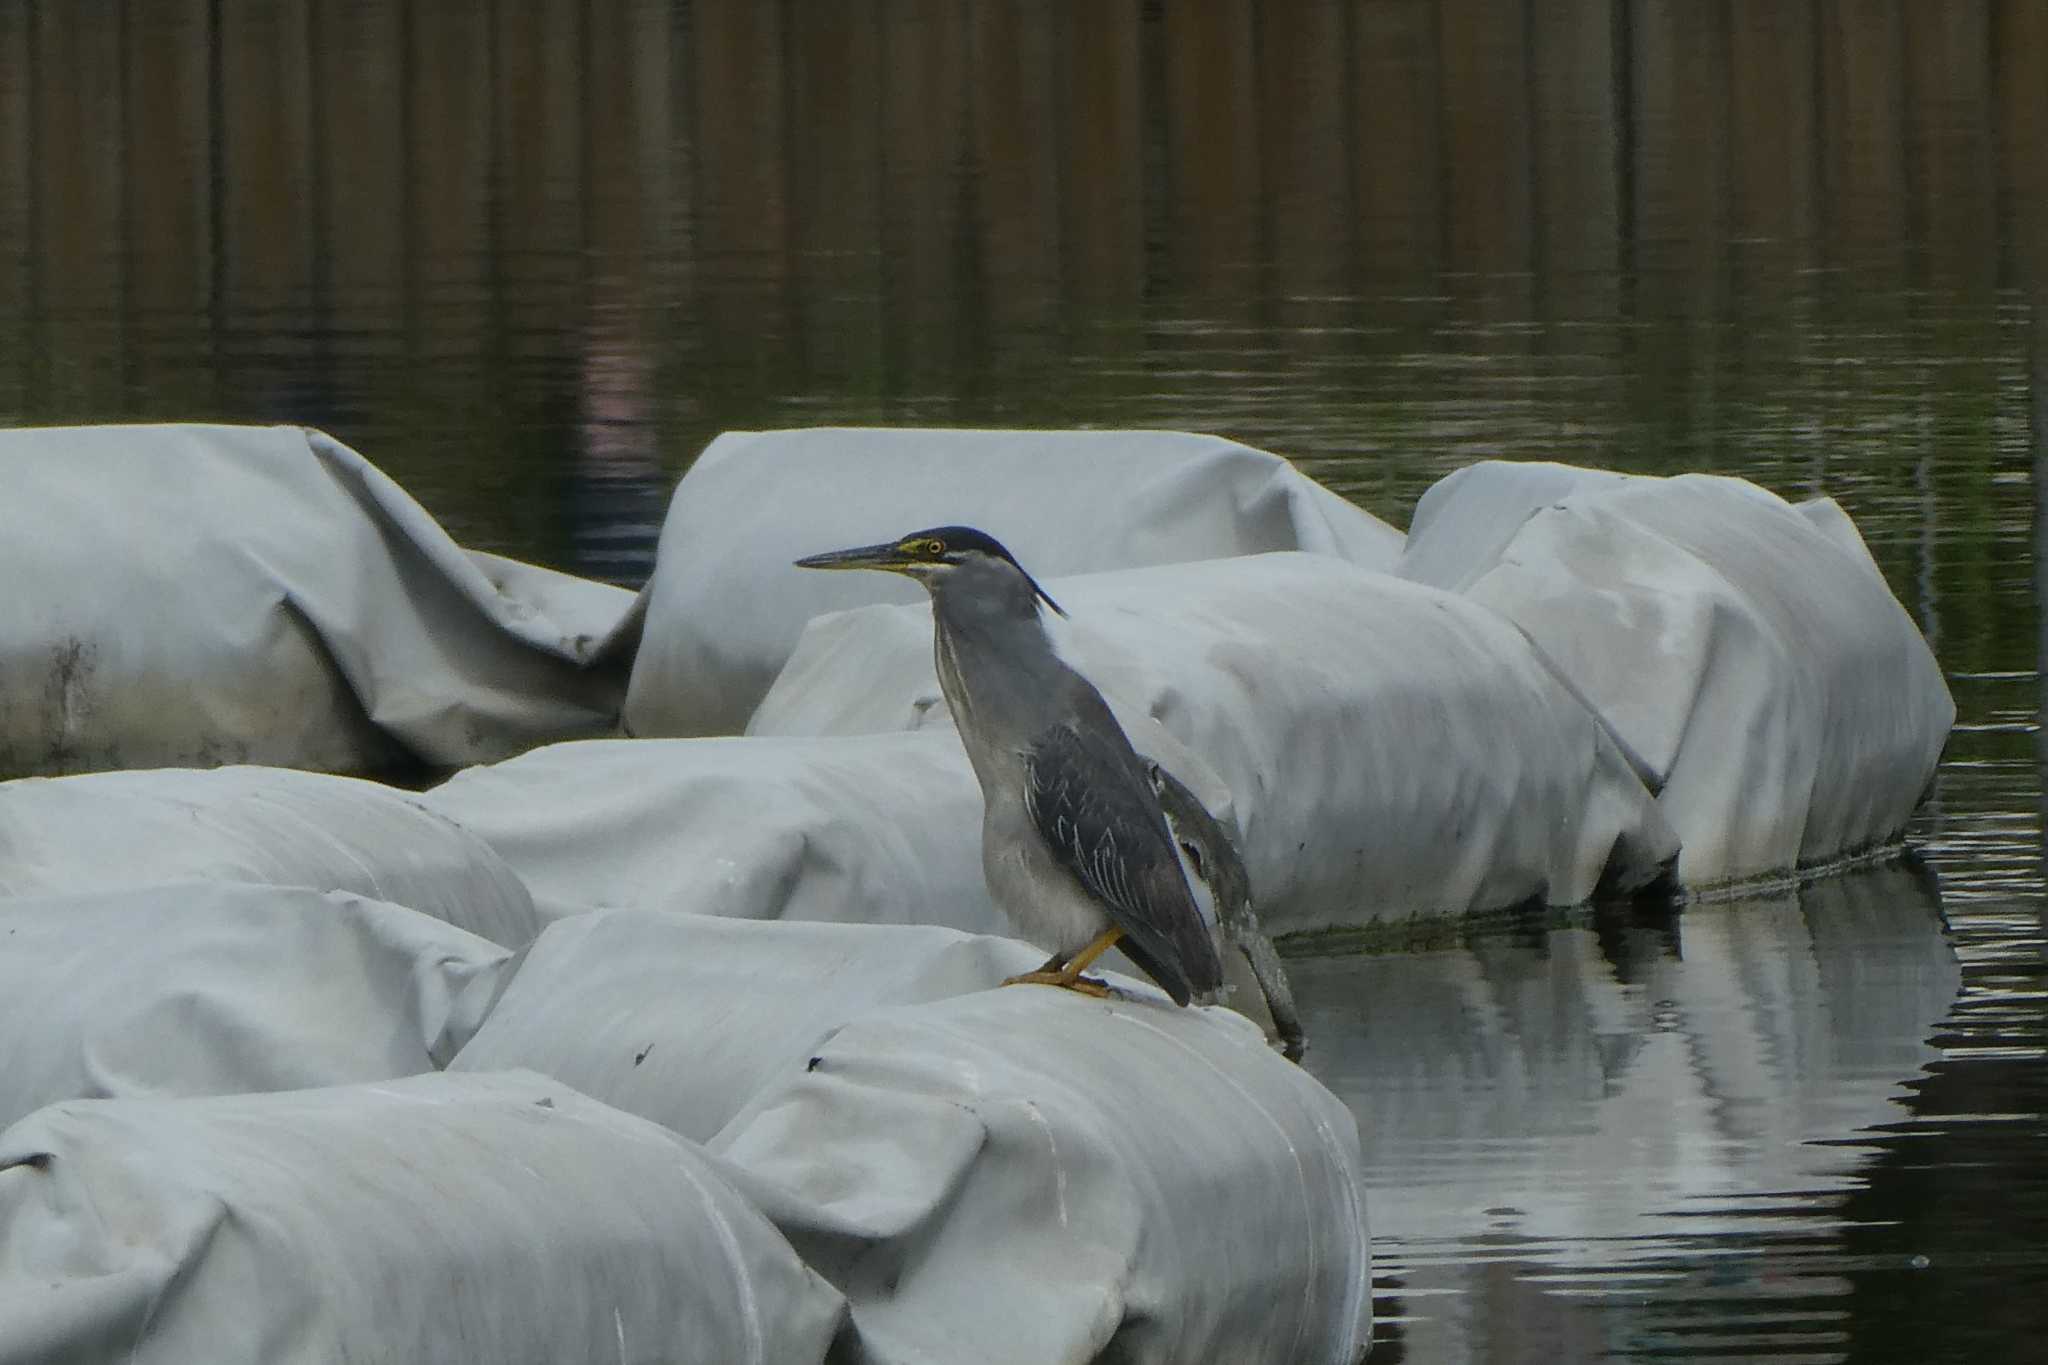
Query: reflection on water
{"x": 1789, "y": 237}
{"x": 1576, "y": 1114}
{"x": 530, "y": 255}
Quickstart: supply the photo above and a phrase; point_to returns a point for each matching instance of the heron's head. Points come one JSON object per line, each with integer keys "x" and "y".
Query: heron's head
{"x": 929, "y": 556}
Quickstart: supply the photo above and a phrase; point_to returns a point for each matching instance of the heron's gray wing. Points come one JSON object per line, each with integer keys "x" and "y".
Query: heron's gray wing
{"x": 1088, "y": 795}
{"x": 1213, "y": 851}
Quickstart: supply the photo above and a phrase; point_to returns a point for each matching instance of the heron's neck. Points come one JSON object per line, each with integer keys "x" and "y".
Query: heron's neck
{"x": 995, "y": 662}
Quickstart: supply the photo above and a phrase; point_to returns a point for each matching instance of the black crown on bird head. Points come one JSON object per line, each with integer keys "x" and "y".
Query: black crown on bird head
{"x": 926, "y": 554}
{"x": 949, "y": 544}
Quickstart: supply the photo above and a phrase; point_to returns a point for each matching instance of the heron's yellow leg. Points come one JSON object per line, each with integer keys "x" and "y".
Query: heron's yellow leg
{"x": 1080, "y": 961}
{"x": 1069, "y": 977}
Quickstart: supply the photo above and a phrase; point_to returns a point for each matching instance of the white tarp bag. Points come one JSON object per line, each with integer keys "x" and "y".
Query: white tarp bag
{"x": 501, "y": 1218}
{"x": 1027, "y": 1175}
{"x": 1013, "y": 1174}
{"x": 1747, "y": 652}
{"x": 1389, "y": 749}
{"x": 683, "y": 1019}
{"x": 216, "y": 987}
{"x": 725, "y": 604}
{"x": 270, "y": 598}
{"x": 102, "y": 831}
{"x": 869, "y": 829}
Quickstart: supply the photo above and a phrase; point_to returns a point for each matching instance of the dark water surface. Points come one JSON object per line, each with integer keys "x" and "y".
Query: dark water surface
{"x": 529, "y": 256}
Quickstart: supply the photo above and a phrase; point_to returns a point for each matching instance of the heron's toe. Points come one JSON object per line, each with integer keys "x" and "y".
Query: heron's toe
{"x": 1085, "y": 985}
{"x": 1044, "y": 976}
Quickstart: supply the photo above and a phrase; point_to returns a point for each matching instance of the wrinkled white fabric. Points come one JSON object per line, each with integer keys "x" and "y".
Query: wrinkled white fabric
{"x": 1389, "y": 749}
{"x": 869, "y": 829}
{"x": 1025, "y": 1175}
{"x": 864, "y": 829}
{"x": 101, "y": 831}
{"x": 684, "y": 1018}
{"x": 725, "y": 604}
{"x": 1028, "y": 1178}
{"x": 1451, "y": 558}
{"x": 501, "y": 1218}
{"x": 270, "y": 597}
{"x": 1748, "y": 652}
{"x": 207, "y": 988}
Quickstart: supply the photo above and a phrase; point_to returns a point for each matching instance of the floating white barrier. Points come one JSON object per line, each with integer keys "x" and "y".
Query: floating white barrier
{"x": 1748, "y": 652}
{"x": 1024, "y": 1175}
{"x": 103, "y": 831}
{"x": 1390, "y": 749}
{"x": 1015, "y": 1174}
{"x": 684, "y": 1019}
{"x": 211, "y": 988}
{"x": 724, "y": 608}
{"x": 500, "y": 1218}
{"x": 867, "y": 829}
{"x": 876, "y": 828}
{"x": 999, "y": 1175}
{"x": 208, "y": 594}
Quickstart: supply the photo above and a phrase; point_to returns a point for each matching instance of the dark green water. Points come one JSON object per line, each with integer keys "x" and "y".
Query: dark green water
{"x": 530, "y": 256}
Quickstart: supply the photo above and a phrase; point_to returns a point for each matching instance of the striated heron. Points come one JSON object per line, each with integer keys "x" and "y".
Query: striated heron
{"x": 1073, "y": 843}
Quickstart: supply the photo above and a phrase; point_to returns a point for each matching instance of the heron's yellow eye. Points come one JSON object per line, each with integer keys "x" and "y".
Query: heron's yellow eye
{"x": 925, "y": 549}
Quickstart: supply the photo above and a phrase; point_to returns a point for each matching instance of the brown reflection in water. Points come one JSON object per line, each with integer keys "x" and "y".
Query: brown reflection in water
{"x": 1299, "y": 136}
{"x": 265, "y": 84}
{"x": 167, "y": 113}
{"x": 1212, "y": 168}
{"x": 1012, "y": 136}
{"x": 1683, "y": 95}
{"x": 1952, "y": 203}
{"x": 835, "y": 199}
{"x": 1397, "y": 142}
{"x": 1100, "y": 104}
{"x": 1862, "y": 164}
{"x": 2020, "y": 51}
{"x": 390, "y": 217}
{"x": 1483, "y": 54}
{"x": 1773, "y": 110}
{"x": 1575, "y": 152}
{"x": 361, "y": 204}
{"x": 20, "y": 339}
{"x": 554, "y": 144}
{"x": 75, "y": 207}
{"x": 924, "y": 100}
{"x": 1303, "y": 150}
{"x": 742, "y": 104}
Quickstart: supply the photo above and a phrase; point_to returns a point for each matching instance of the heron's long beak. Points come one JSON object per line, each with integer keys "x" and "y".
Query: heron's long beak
{"x": 883, "y": 556}
{"x": 889, "y": 558}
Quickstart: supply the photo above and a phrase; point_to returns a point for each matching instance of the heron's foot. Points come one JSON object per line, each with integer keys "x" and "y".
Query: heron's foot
{"x": 1086, "y": 985}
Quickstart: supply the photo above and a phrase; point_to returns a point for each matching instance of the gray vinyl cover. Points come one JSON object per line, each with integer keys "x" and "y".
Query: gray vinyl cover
{"x": 1012, "y": 1175}
{"x": 868, "y": 829}
{"x": 1390, "y": 749}
{"x": 684, "y": 1019}
{"x": 338, "y": 628}
{"x": 1748, "y": 652}
{"x": 725, "y": 605}
{"x": 863, "y": 829}
{"x": 101, "y": 831}
{"x": 501, "y": 1218}
{"x": 1026, "y": 1175}
{"x": 207, "y": 988}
